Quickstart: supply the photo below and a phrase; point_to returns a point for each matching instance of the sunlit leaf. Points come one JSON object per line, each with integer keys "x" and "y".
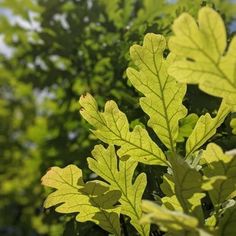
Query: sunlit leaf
{"x": 163, "y": 95}
{"x": 120, "y": 177}
{"x": 92, "y": 200}
{"x": 202, "y": 52}
{"x": 171, "y": 221}
{"x": 205, "y": 128}
{"x": 112, "y": 127}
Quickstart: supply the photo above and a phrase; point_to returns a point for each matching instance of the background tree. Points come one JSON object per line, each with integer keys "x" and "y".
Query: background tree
{"x": 61, "y": 49}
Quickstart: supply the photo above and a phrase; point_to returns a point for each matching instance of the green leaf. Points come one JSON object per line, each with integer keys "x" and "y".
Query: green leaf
{"x": 205, "y": 128}
{"x": 187, "y": 125}
{"x": 117, "y": 14}
{"x": 202, "y": 58}
{"x": 112, "y": 127}
{"x": 92, "y": 200}
{"x": 168, "y": 188}
{"x": 183, "y": 188}
{"x": 233, "y": 125}
{"x": 120, "y": 177}
{"x": 216, "y": 163}
{"x": 171, "y": 221}
{"x": 163, "y": 95}
{"x": 227, "y": 223}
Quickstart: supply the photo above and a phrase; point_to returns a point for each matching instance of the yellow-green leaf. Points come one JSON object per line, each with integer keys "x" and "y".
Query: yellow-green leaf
{"x": 205, "y": 128}
{"x": 200, "y": 47}
{"x": 220, "y": 164}
{"x": 186, "y": 126}
{"x": 233, "y": 125}
{"x": 170, "y": 200}
{"x": 163, "y": 95}
{"x": 93, "y": 201}
{"x": 112, "y": 127}
{"x": 120, "y": 177}
{"x": 171, "y": 221}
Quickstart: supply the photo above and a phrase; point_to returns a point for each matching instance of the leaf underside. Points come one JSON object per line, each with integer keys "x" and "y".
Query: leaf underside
{"x": 112, "y": 127}
{"x": 163, "y": 96}
{"x": 92, "y": 200}
{"x": 120, "y": 177}
{"x": 203, "y": 60}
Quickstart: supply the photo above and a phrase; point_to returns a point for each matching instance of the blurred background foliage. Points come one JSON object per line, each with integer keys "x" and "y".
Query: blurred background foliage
{"x": 52, "y": 52}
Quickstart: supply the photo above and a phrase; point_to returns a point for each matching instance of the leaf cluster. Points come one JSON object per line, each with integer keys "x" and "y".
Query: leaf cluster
{"x": 198, "y": 188}
{"x": 58, "y": 50}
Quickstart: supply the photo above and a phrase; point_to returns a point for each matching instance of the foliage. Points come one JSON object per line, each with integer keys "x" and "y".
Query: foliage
{"x": 91, "y": 199}
{"x": 163, "y": 96}
{"x": 203, "y": 57}
{"x": 198, "y": 189}
{"x": 59, "y": 50}
{"x": 233, "y": 125}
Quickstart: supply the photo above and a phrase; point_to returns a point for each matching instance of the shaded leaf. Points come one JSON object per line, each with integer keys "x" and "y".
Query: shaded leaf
{"x": 187, "y": 125}
{"x": 233, "y": 125}
{"x": 216, "y": 163}
{"x": 183, "y": 188}
{"x": 227, "y": 223}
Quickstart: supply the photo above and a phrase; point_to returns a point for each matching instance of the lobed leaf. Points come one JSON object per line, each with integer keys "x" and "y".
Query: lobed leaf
{"x": 171, "y": 221}
{"x": 219, "y": 164}
{"x": 183, "y": 188}
{"x": 227, "y": 223}
{"x": 163, "y": 95}
{"x": 120, "y": 177}
{"x": 93, "y": 201}
{"x": 201, "y": 48}
{"x": 112, "y": 127}
{"x": 205, "y": 128}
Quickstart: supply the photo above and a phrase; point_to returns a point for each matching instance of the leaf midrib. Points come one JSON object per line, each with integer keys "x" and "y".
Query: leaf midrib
{"x": 156, "y": 74}
{"x": 121, "y": 189}
{"x": 125, "y": 140}
{"x": 211, "y": 60}
{"x": 89, "y": 196}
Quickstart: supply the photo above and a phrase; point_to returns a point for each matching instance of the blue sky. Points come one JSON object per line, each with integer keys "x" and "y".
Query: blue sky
{"x": 3, "y": 48}
{"x": 33, "y": 25}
